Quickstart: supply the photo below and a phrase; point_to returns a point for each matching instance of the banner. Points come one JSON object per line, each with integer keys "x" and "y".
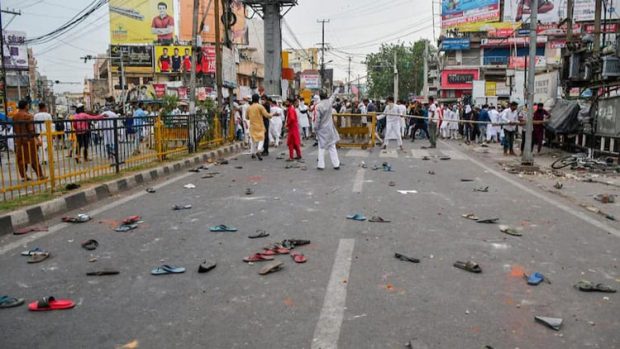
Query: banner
{"x": 173, "y": 59}
{"x": 15, "y": 51}
{"x": 455, "y": 44}
{"x": 487, "y": 27}
{"x": 518, "y": 11}
{"x": 519, "y": 62}
{"x": 583, "y": 10}
{"x": 459, "y": 79}
{"x": 506, "y": 42}
{"x": 229, "y": 67}
{"x": 141, "y": 22}
{"x": 310, "y": 81}
{"x": 456, "y": 13}
{"x": 239, "y": 29}
{"x": 490, "y": 88}
{"x": 160, "y": 90}
{"x": 207, "y": 60}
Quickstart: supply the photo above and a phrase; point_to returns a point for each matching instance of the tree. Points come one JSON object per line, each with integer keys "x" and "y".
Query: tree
{"x": 410, "y": 63}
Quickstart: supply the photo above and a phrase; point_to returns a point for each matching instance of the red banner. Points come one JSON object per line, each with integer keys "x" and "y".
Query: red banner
{"x": 609, "y": 28}
{"x": 459, "y": 79}
{"x": 160, "y": 90}
{"x": 207, "y": 61}
{"x": 519, "y": 62}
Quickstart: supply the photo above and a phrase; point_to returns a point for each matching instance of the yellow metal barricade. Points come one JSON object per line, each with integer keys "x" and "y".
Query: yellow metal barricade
{"x": 356, "y": 130}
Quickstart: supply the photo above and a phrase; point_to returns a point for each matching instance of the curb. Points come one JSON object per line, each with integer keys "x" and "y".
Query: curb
{"x": 41, "y": 212}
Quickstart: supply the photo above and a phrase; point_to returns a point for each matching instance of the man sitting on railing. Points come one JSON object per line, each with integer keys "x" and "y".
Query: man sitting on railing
{"x": 26, "y": 142}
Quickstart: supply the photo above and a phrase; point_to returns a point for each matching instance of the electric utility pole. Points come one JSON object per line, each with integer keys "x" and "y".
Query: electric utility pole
{"x": 349, "y": 77}
{"x": 322, "y": 21}
{"x": 192, "y": 77}
{"x": 395, "y": 75}
{"x": 527, "y": 158}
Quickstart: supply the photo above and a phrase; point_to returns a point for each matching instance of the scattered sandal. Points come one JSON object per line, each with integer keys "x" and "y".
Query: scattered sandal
{"x": 468, "y": 266}
{"x": 298, "y": 257}
{"x": 179, "y": 207}
{"x": 587, "y": 286}
{"x": 80, "y": 218}
{"x": 405, "y": 258}
{"x": 466, "y": 180}
{"x": 32, "y": 252}
{"x": 38, "y": 257}
{"x": 534, "y": 279}
{"x": 167, "y": 269}
{"x": 90, "y": 244}
{"x": 392, "y": 184}
{"x": 125, "y": 227}
{"x": 10, "y": 302}
{"x": 205, "y": 268}
{"x": 377, "y": 219}
{"x": 257, "y": 257}
{"x": 482, "y": 189}
{"x": 508, "y": 230}
{"x": 471, "y": 216}
{"x": 291, "y": 244}
{"x": 357, "y": 217}
{"x": 222, "y": 229}
{"x": 51, "y": 303}
{"x": 551, "y": 322}
{"x": 151, "y": 190}
{"x": 488, "y": 220}
{"x": 27, "y": 230}
{"x": 271, "y": 268}
{"x": 259, "y": 234}
{"x": 131, "y": 219}
{"x": 249, "y": 191}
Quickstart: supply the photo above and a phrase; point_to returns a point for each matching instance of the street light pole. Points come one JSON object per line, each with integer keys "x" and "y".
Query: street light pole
{"x": 527, "y": 158}
{"x": 192, "y": 78}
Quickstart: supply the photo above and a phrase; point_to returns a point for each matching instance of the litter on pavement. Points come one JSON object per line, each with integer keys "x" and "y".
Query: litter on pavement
{"x": 509, "y": 230}
{"x": 468, "y": 266}
{"x": 26, "y": 230}
{"x": 181, "y": 207}
{"x": 404, "y": 258}
{"x": 551, "y": 322}
{"x": 80, "y": 218}
{"x": 189, "y": 186}
{"x": 605, "y": 198}
{"x": 587, "y": 286}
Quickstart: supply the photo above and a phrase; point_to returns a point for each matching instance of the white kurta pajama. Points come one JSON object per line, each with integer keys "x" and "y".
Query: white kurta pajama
{"x": 392, "y": 124}
{"x": 275, "y": 125}
{"x": 326, "y": 133}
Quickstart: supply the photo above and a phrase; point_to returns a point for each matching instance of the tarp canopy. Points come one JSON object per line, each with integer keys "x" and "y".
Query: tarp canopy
{"x": 564, "y": 118}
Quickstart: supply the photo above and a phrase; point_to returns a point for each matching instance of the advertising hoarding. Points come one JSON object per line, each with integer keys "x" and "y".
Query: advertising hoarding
{"x": 173, "y": 59}
{"x": 459, "y": 79}
{"x": 136, "y": 59}
{"x": 608, "y": 123}
{"x": 519, "y": 41}
{"x": 186, "y": 10}
{"x": 15, "y": 51}
{"x": 487, "y": 27}
{"x": 310, "y": 81}
{"x": 520, "y": 62}
{"x": 141, "y": 21}
{"x": 455, "y": 44}
{"x": 229, "y": 67}
{"x": 518, "y": 11}
{"x": 456, "y": 13}
{"x": 583, "y": 10}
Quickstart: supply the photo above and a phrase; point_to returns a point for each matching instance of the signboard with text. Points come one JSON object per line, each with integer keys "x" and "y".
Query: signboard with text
{"x": 15, "y": 50}
{"x": 141, "y": 21}
{"x": 457, "y": 13}
{"x": 459, "y": 79}
{"x": 455, "y": 44}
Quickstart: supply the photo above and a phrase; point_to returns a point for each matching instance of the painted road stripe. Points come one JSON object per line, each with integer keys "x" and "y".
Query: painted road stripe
{"x": 581, "y": 215}
{"x": 390, "y": 153}
{"x": 358, "y": 181}
{"x": 356, "y": 153}
{"x": 327, "y": 331}
{"x": 419, "y": 153}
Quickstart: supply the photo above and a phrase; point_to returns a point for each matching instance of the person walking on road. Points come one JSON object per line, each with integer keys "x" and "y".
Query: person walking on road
{"x": 433, "y": 119}
{"x": 26, "y": 142}
{"x": 302, "y": 118}
{"x": 391, "y": 114}
{"x": 538, "y": 132}
{"x": 485, "y": 120}
{"x": 275, "y": 124}
{"x": 326, "y": 132}
{"x": 40, "y": 126}
{"x": 256, "y": 113}
{"x": 510, "y": 118}
{"x": 292, "y": 125}
{"x": 267, "y": 107}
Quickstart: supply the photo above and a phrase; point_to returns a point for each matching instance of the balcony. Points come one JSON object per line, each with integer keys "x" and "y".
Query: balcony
{"x": 495, "y": 60}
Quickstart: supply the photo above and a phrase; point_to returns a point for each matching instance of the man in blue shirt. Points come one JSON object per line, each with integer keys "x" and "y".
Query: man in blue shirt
{"x": 138, "y": 122}
{"x": 484, "y": 119}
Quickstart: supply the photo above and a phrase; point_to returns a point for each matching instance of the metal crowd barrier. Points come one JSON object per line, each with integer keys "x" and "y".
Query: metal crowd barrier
{"x": 56, "y": 154}
{"x": 356, "y": 130}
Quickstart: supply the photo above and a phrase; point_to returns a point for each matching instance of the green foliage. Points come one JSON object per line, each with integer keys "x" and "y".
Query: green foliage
{"x": 168, "y": 104}
{"x": 410, "y": 63}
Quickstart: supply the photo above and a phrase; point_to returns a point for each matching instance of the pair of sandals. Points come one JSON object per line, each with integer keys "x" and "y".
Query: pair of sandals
{"x": 587, "y": 286}
{"x": 36, "y": 255}
{"x": 475, "y": 218}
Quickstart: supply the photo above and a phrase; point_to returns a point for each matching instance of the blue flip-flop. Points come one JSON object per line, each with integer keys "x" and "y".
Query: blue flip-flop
{"x": 167, "y": 269}
{"x": 357, "y": 217}
{"x": 32, "y": 252}
{"x": 222, "y": 228}
{"x": 535, "y": 278}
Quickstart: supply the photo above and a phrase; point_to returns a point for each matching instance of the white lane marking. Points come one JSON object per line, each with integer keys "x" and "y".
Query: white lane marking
{"x": 388, "y": 153}
{"x": 356, "y": 153}
{"x": 35, "y": 236}
{"x": 419, "y": 153}
{"x": 581, "y": 215}
{"x": 358, "y": 181}
{"x": 327, "y": 331}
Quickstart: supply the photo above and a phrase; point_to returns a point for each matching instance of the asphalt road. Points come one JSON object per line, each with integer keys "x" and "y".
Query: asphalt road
{"x": 352, "y": 292}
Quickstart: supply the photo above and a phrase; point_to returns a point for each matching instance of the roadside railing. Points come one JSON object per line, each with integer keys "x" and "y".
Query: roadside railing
{"x": 47, "y": 156}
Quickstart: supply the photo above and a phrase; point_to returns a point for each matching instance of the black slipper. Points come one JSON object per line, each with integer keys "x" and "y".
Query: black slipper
{"x": 405, "y": 258}
{"x": 487, "y": 220}
{"x": 259, "y": 234}
{"x": 249, "y": 191}
{"x": 468, "y": 266}
{"x": 90, "y": 244}
{"x": 103, "y": 272}
{"x": 205, "y": 268}
{"x": 150, "y": 190}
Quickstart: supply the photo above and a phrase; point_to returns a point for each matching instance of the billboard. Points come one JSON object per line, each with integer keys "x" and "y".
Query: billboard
{"x": 487, "y": 27}
{"x": 608, "y": 123}
{"x": 518, "y": 11}
{"x": 455, "y": 44}
{"x": 455, "y": 13}
{"x": 521, "y": 62}
{"x": 583, "y": 11}
{"x": 141, "y": 22}
{"x": 173, "y": 59}
{"x": 186, "y": 11}
{"x": 459, "y": 79}
{"x": 311, "y": 81}
{"x": 15, "y": 51}
{"x": 136, "y": 59}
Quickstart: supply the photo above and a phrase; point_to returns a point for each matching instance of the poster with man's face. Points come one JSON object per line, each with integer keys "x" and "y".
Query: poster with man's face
{"x": 142, "y": 22}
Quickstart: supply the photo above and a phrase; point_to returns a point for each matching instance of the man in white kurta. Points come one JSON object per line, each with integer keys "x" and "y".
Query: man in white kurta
{"x": 392, "y": 124}
{"x": 493, "y": 131}
{"x": 275, "y": 124}
{"x": 40, "y": 127}
{"x": 302, "y": 119}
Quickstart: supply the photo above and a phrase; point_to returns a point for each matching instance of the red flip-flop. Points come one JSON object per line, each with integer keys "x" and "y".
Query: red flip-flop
{"x": 257, "y": 257}
{"x": 269, "y": 252}
{"x": 51, "y": 303}
{"x": 298, "y": 257}
{"x": 131, "y": 219}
